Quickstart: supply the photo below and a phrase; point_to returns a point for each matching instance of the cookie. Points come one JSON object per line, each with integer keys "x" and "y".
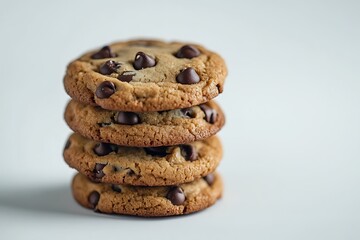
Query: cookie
{"x": 146, "y": 75}
{"x": 149, "y": 129}
{"x": 160, "y": 166}
{"x": 148, "y": 201}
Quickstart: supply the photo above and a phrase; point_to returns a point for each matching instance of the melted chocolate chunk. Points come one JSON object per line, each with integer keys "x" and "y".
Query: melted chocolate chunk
{"x": 188, "y": 152}
{"x": 157, "y": 151}
{"x": 210, "y": 113}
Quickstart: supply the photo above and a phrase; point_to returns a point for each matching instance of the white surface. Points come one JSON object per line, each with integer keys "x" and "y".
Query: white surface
{"x": 292, "y": 138}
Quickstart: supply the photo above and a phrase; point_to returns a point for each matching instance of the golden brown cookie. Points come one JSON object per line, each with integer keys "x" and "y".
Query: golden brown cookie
{"x": 158, "y": 166}
{"x": 146, "y": 75}
{"x": 145, "y": 129}
{"x": 148, "y": 201}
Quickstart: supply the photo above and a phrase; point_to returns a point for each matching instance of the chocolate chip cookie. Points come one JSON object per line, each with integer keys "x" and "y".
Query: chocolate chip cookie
{"x": 152, "y": 166}
{"x": 148, "y": 201}
{"x": 145, "y": 129}
{"x": 146, "y": 75}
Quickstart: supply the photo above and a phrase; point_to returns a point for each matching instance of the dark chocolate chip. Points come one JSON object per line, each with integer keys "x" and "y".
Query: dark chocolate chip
{"x": 188, "y": 76}
{"x": 98, "y": 175}
{"x": 156, "y": 151}
{"x": 116, "y": 188}
{"x": 210, "y": 178}
{"x": 105, "y": 52}
{"x": 94, "y": 198}
{"x": 105, "y": 90}
{"x": 187, "y": 51}
{"x": 188, "y": 112}
{"x": 102, "y": 149}
{"x": 188, "y": 152}
{"x": 99, "y": 167}
{"x": 109, "y": 67}
{"x": 98, "y": 170}
{"x": 126, "y": 76}
{"x": 142, "y": 60}
{"x": 127, "y": 118}
{"x": 67, "y": 145}
{"x": 210, "y": 113}
{"x": 176, "y": 195}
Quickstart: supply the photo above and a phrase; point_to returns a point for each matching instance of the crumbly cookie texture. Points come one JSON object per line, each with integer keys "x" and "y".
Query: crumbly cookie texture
{"x": 147, "y": 201}
{"x": 146, "y": 75}
{"x": 148, "y": 129}
{"x": 159, "y": 166}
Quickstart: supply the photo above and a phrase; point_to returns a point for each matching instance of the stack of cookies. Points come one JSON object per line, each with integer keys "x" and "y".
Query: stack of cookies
{"x": 145, "y": 125}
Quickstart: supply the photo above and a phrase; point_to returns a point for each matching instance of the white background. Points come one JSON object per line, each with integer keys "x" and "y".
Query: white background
{"x": 292, "y": 138}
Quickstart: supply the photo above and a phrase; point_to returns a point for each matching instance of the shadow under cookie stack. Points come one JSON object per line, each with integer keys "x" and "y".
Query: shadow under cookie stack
{"x": 145, "y": 125}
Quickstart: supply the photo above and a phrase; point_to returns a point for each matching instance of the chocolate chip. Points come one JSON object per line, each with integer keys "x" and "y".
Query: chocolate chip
{"x": 157, "y": 151}
{"x": 98, "y": 175}
{"x": 188, "y": 76}
{"x": 102, "y": 149}
{"x": 127, "y": 118}
{"x": 105, "y": 52}
{"x": 188, "y": 112}
{"x": 126, "y": 76}
{"x": 94, "y": 199}
{"x": 109, "y": 67}
{"x": 67, "y": 145}
{"x": 105, "y": 90}
{"x": 210, "y": 178}
{"x": 187, "y": 51}
{"x": 142, "y": 60}
{"x": 176, "y": 195}
{"x": 210, "y": 113}
{"x": 188, "y": 152}
{"x": 116, "y": 188}
{"x": 99, "y": 166}
{"x": 98, "y": 170}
